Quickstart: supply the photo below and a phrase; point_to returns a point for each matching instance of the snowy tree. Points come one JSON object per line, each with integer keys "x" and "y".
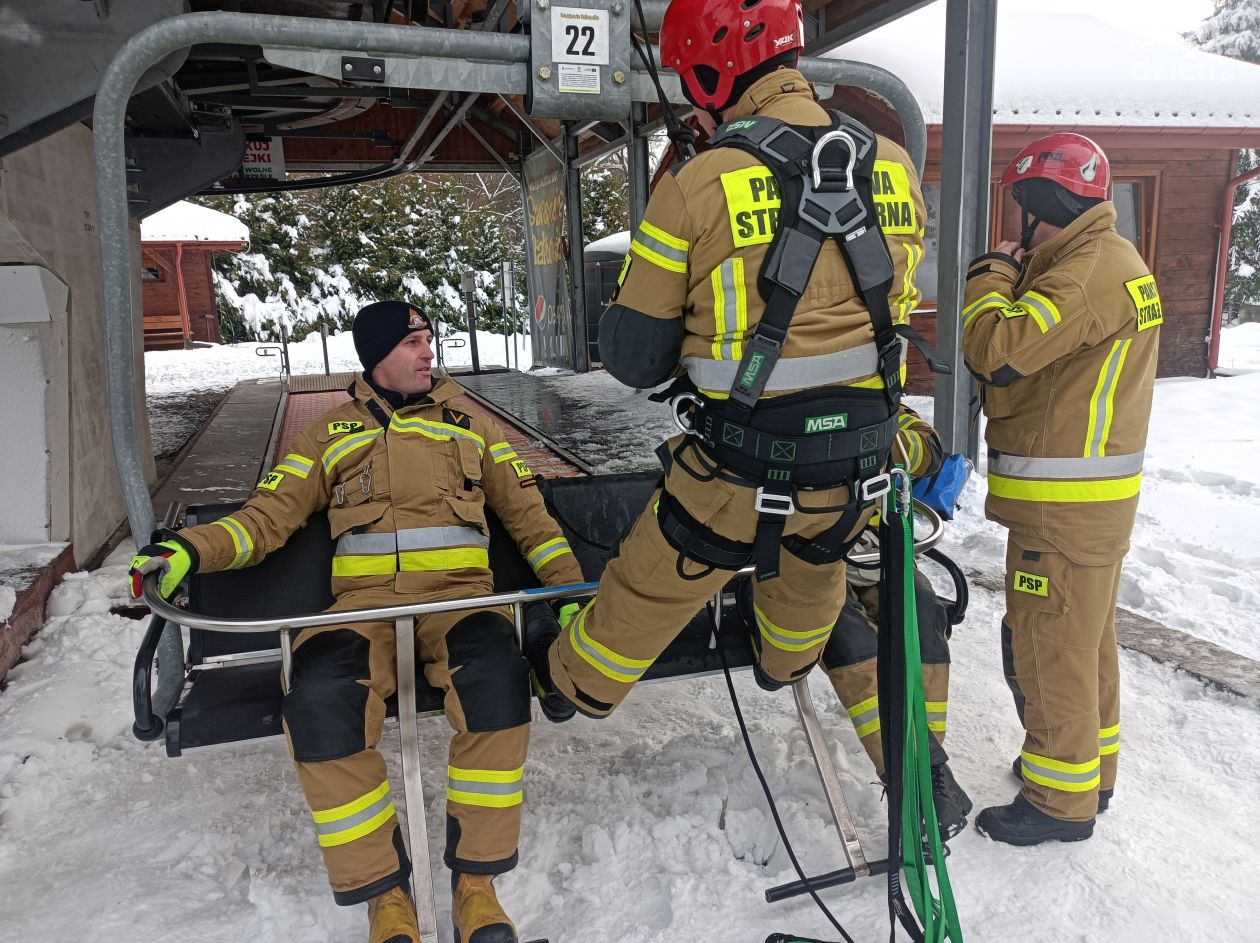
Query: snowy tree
{"x": 1234, "y": 30}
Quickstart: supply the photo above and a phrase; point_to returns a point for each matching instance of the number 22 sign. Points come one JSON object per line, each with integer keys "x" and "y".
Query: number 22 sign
{"x": 579, "y": 35}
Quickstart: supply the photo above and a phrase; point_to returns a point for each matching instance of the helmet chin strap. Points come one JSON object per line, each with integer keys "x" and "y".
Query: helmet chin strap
{"x": 1030, "y": 224}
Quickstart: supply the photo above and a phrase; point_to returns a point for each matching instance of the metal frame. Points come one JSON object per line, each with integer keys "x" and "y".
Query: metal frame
{"x": 967, "y": 155}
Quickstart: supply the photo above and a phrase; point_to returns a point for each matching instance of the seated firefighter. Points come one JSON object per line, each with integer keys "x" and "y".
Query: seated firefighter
{"x": 849, "y": 657}
{"x": 792, "y": 402}
{"x": 405, "y": 478}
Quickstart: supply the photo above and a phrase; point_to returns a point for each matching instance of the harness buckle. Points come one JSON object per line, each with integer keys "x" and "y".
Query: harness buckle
{"x": 770, "y": 503}
{"x": 874, "y": 488}
{"x": 831, "y": 137}
{"x": 681, "y": 420}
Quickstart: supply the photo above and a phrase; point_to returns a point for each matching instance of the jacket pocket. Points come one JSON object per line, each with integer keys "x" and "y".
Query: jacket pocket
{"x": 1037, "y": 576}
{"x": 342, "y": 520}
{"x": 471, "y": 513}
{"x": 997, "y": 402}
{"x": 469, "y": 470}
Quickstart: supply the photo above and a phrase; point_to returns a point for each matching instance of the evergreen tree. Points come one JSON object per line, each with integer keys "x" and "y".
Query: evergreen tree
{"x": 1234, "y": 30}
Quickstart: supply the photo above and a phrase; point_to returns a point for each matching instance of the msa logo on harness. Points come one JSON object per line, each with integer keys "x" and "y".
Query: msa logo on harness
{"x": 337, "y": 428}
{"x": 830, "y": 423}
{"x": 755, "y": 362}
{"x": 1031, "y": 584}
{"x": 1145, "y": 295}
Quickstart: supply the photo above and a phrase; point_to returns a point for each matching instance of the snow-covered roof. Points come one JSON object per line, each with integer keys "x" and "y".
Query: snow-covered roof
{"x": 1055, "y": 69}
{"x": 188, "y": 222}
{"x": 616, "y": 244}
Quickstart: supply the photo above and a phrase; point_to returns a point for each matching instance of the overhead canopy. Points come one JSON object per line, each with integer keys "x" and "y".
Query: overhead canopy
{"x": 189, "y": 222}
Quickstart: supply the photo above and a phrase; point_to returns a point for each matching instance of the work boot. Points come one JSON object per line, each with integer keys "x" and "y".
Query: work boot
{"x": 393, "y": 918}
{"x": 951, "y": 801}
{"x": 1104, "y": 795}
{"x": 540, "y": 630}
{"x": 475, "y": 911}
{"x": 1022, "y": 823}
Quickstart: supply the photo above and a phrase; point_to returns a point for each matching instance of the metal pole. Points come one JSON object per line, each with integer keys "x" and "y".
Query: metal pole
{"x": 413, "y": 787}
{"x": 638, "y": 160}
{"x": 470, "y": 303}
{"x": 144, "y": 50}
{"x": 285, "y": 370}
{"x": 577, "y": 271}
{"x": 323, "y": 339}
{"x": 509, "y": 312}
{"x": 967, "y": 155}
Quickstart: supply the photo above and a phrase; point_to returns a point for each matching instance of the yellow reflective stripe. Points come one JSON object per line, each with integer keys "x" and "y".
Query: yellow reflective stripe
{"x": 865, "y": 716}
{"x": 790, "y": 640}
{"x": 656, "y": 258}
{"x": 487, "y": 775}
{"x": 719, "y": 311}
{"x": 660, "y": 235}
{"x": 350, "y": 808}
{"x": 1044, "y": 311}
{"x": 1065, "y": 492}
{"x": 502, "y": 452}
{"x": 343, "y": 447}
{"x": 870, "y": 383}
{"x": 446, "y": 558}
{"x": 936, "y": 713}
{"x": 377, "y": 564}
{"x": 358, "y": 831}
{"x": 992, "y": 300}
{"x": 604, "y": 659}
{"x": 1109, "y": 740}
{"x": 241, "y": 544}
{"x": 909, "y": 296}
{"x": 295, "y": 464}
{"x": 489, "y": 802}
{"x": 1102, "y": 403}
{"x": 543, "y": 554}
{"x": 1057, "y": 774}
{"x": 438, "y": 431}
{"x": 730, "y": 309}
{"x": 1104, "y": 732}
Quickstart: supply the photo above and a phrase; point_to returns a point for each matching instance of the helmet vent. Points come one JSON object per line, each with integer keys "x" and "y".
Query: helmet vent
{"x": 749, "y": 4}
{"x": 720, "y": 35}
{"x": 754, "y": 32}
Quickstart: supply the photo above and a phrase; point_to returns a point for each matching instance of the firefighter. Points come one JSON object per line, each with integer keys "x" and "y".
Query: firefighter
{"x": 405, "y": 478}
{"x": 771, "y": 471}
{"x": 1062, "y": 331}
{"x": 849, "y": 657}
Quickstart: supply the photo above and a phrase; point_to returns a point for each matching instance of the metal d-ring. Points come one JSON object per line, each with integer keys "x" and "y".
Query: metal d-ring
{"x": 839, "y": 134}
{"x": 686, "y": 428}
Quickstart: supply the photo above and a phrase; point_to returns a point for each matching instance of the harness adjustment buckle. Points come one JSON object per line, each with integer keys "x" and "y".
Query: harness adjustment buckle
{"x": 875, "y": 488}
{"x": 683, "y": 420}
{"x": 767, "y": 502}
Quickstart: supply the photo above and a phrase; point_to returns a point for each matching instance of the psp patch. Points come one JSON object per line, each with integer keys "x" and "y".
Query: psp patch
{"x": 271, "y": 481}
{"x": 1145, "y": 295}
{"x": 1032, "y": 584}
{"x": 342, "y": 426}
{"x": 521, "y": 469}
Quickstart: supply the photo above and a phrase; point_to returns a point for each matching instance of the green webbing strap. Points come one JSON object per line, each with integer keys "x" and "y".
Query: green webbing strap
{"x": 938, "y": 916}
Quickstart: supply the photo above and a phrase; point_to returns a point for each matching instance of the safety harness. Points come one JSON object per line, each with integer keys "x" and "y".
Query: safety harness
{"x": 782, "y": 444}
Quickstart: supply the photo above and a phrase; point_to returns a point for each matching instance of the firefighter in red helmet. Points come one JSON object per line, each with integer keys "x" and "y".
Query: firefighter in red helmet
{"x": 1062, "y": 331}
{"x": 807, "y": 412}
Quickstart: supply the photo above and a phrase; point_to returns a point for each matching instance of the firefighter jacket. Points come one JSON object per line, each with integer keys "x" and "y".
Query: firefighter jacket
{"x": 1065, "y": 348}
{"x": 406, "y": 493}
{"x": 688, "y": 290}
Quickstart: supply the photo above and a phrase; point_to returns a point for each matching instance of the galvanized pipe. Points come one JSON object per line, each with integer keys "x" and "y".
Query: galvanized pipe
{"x": 144, "y": 50}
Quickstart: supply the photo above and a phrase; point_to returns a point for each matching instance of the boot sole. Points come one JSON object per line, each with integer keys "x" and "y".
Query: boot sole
{"x": 1024, "y": 842}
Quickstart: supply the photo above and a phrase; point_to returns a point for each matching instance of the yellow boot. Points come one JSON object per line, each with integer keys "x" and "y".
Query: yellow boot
{"x": 476, "y": 913}
{"x": 393, "y": 918}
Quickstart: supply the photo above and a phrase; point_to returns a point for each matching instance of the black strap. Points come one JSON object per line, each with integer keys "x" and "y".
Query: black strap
{"x": 694, "y": 541}
{"x": 722, "y": 434}
{"x": 378, "y": 413}
{"x": 832, "y": 544}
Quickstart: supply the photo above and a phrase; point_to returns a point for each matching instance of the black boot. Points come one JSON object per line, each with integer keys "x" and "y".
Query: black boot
{"x": 541, "y": 629}
{"x": 952, "y": 803}
{"x": 1104, "y": 795}
{"x": 1022, "y": 823}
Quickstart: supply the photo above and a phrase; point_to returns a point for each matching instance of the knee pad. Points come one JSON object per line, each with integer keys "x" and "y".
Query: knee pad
{"x": 852, "y": 640}
{"x": 326, "y": 706}
{"x": 488, "y": 671}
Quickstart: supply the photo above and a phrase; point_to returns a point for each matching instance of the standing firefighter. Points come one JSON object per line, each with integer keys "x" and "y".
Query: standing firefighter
{"x": 405, "y": 478}
{"x": 849, "y": 657}
{"x": 790, "y": 428}
{"x": 1064, "y": 341}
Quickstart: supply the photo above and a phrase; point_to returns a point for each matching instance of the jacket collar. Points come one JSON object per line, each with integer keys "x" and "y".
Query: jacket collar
{"x": 444, "y": 389}
{"x": 779, "y": 84}
{"x": 1093, "y": 221}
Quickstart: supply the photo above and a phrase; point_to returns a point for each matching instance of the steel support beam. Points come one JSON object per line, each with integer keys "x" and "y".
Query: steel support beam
{"x": 967, "y": 153}
{"x": 638, "y": 163}
{"x": 577, "y": 271}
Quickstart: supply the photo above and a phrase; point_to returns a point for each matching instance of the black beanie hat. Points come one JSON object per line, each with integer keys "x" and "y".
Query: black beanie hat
{"x": 380, "y": 326}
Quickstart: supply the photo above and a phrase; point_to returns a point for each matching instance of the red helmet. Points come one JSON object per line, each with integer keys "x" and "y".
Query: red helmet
{"x": 726, "y": 38}
{"x": 1072, "y": 161}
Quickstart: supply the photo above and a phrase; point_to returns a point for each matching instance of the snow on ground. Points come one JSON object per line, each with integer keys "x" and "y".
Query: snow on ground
{"x": 649, "y": 827}
{"x": 1240, "y": 347}
{"x": 19, "y": 568}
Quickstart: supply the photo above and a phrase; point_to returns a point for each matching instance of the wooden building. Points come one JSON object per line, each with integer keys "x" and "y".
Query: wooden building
{"x": 1170, "y": 118}
{"x": 177, "y": 245}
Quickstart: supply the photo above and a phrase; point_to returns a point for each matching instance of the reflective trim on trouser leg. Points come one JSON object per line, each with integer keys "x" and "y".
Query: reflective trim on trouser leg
{"x": 856, "y": 685}
{"x": 1057, "y": 774}
{"x": 354, "y": 819}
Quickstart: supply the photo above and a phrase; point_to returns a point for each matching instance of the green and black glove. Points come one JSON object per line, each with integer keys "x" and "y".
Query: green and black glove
{"x": 170, "y": 554}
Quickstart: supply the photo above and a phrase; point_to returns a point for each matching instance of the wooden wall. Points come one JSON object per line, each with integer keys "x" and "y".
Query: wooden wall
{"x": 161, "y": 298}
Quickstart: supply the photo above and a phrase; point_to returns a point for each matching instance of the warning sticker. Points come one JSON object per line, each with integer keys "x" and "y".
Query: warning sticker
{"x": 579, "y": 78}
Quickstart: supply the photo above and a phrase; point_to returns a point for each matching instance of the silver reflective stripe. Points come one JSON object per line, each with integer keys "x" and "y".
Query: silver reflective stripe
{"x": 730, "y": 310}
{"x": 790, "y": 373}
{"x": 431, "y": 538}
{"x": 936, "y": 716}
{"x": 1050, "y": 315}
{"x": 594, "y": 655}
{"x": 485, "y": 789}
{"x": 1109, "y": 741}
{"x": 866, "y": 716}
{"x": 1060, "y": 775}
{"x": 660, "y": 248}
{"x": 355, "y": 544}
{"x": 1110, "y": 466}
{"x": 358, "y": 818}
{"x": 1104, "y": 399}
{"x": 805, "y": 640}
